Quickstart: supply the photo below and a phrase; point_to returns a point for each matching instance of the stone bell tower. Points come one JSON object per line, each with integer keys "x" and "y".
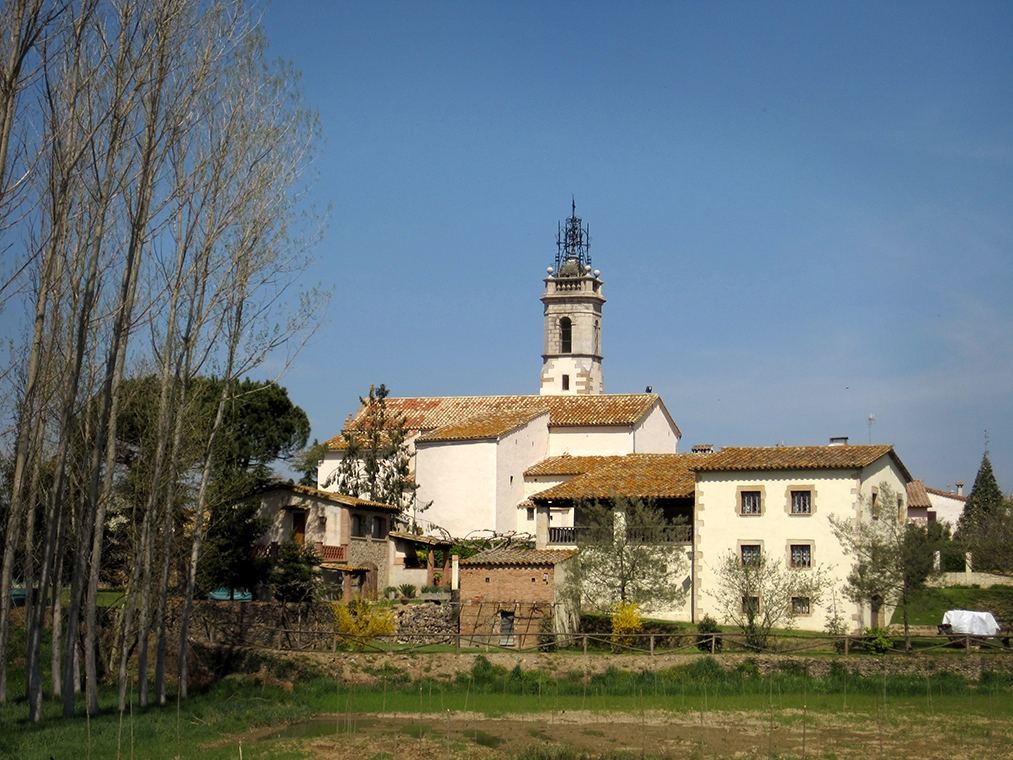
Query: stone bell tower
{"x": 571, "y": 361}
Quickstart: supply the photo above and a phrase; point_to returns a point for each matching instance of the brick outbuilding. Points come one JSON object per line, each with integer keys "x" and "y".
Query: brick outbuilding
{"x": 506, "y": 593}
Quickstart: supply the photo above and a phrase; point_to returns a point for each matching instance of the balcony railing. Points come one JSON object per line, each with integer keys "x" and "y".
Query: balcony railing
{"x": 682, "y": 534}
{"x": 326, "y": 552}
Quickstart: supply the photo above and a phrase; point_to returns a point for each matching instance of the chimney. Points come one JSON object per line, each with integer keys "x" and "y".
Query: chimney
{"x": 703, "y": 448}
{"x": 840, "y": 440}
{"x": 960, "y": 488}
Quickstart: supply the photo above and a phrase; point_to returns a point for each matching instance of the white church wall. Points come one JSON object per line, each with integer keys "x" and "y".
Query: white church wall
{"x": 590, "y": 441}
{"x": 654, "y": 434}
{"x": 516, "y": 452}
{"x": 459, "y": 478}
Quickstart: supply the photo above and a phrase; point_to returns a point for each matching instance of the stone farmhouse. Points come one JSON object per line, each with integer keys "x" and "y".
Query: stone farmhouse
{"x": 524, "y": 465}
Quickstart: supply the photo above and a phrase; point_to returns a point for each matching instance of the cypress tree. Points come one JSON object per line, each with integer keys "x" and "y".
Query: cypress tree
{"x": 986, "y": 498}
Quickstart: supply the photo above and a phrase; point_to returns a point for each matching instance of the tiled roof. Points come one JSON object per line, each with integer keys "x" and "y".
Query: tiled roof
{"x": 916, "y": 495}
{"x": 519, "y": 557}
{"x": 484, "y": 426}
{"x": 793, "y": 458}
{"x": 335, "y": 498}
{"x": 947, "y": 494}
{"x": 566, "y": 465}
{"x": 646, "y": 476}
{"x": 426, "y": 540}
{"x": 429, "y": 413}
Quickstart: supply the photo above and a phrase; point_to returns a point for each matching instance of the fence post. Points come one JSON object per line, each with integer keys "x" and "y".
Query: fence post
{"x": 967, "y": 643}
{"x": 652, "y": 645}
{"x": 457, "y": 646}
{"x": 714, "y": 639}
{"x": 847, "y": 644}
{"x": 585, "y": 643}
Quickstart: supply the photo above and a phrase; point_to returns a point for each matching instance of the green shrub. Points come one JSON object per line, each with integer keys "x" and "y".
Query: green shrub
{"x": 407, "y": 590}
{"x": 877, "y": 640}
{"x": 707, "y": 629}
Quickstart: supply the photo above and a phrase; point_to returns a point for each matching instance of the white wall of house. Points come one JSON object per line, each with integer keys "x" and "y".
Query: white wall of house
{"x": 459, "y": 478}
{"x": 323, "y": 520}
{"x": 720, "y": 526}
{"x": 654, "y": 434}
{"x": 948, "y": 508}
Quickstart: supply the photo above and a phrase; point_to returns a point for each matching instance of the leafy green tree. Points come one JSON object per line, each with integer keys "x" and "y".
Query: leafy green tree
{"x": 261, "y": 426}
{"x": 377, "y": 460}
{"x": 307, "y": 462}
{"x": 986, "y": 499}
{"x": 759, "y": 593}
{"x": 228, "y": 561}
{"x": 295, "y": 575}
{"x": 629, "y": 552}
{"x": 893, "y": 558}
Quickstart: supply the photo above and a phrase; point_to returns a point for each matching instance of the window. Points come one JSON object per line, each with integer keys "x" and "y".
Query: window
{"x": 751, "y": 554}
{"x": 751, "y": 502}
{"x": 531, "y": 513}
{"x": 800, "y": 605}
{"x": 750, "y": 605}
{"x": 565, "y": 335}
{"x": 566, "y": 382}
{"x": 358, "y": 529}
{"x": 801, "y": 502}
{"x": 378, "y": 527}
{"x": 801, "y": 555}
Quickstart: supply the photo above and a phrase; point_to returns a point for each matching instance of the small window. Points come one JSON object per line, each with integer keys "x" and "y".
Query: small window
{"x": 800, "y": 605}
{"x": 751, "y": 504}
{"x": 566, "y": 382}
{"x": 751, "y": 605}
{"x": 801, "y": 555}
{"x": 378, "y": 525}
{"x": 801, "y": 503}
{"x": 751, "y": 554}
{"x": 357, "y": 528}
{"x": 565, "y": 335}
{"x": 531, "y": 513}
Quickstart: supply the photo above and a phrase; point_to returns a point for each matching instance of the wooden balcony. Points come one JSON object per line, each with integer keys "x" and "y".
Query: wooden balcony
{"x": 326, "y": 552}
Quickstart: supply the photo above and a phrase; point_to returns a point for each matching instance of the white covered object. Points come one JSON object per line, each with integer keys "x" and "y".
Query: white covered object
{"x": 976, "y": 623}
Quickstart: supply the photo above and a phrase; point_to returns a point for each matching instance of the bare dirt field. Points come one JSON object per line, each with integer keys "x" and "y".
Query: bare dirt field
{"x": 684, "y": 735}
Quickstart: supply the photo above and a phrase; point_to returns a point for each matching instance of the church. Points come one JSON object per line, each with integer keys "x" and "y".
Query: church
{"x": 471, "y": 452}
{"x": 524, "y": 465}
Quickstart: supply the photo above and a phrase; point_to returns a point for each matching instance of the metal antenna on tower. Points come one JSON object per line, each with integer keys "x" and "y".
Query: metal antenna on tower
{"x": 872, "y": 418}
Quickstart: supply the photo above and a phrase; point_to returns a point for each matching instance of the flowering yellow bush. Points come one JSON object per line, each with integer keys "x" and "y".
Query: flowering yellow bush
{"x": 359, "y": 621}
{"x": 625, "y": 622}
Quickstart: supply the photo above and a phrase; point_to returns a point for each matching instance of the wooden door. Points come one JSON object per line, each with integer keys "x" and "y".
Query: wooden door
{"x": 299, "y": 527}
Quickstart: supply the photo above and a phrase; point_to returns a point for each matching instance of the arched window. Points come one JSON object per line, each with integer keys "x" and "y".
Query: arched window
{"x": 565, "y": 335}
{"x": 377, "y": 527}
{"x": 357, "y": 528}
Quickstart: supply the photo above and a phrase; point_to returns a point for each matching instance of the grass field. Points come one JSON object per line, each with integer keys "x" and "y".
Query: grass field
{"x": 699, "y": 709}
{"x": 928, "y": 607}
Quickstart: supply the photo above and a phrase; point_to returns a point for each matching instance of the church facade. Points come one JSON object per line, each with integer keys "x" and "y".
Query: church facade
{"x": 470, "y": 453}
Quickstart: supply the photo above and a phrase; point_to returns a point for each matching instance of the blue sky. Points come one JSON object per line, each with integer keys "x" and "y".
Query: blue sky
{"x": 801, "y": 211}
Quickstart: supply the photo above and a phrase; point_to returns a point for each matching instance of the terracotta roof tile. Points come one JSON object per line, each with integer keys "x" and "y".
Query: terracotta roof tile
{"x": 429, "y": 413}
{"x": 482, "y": 426}
{"x": 519, "y": 557}
{"x": 916, "y": 495}
{"x": 567, "y": 465}
{"x": 331, "y": 496}
{"x": 791, "y": 458}
{"x": 646, "y": 476}
{"x": 947, "y": 494}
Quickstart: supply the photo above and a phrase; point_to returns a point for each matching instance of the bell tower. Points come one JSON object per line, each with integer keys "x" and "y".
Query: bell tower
{"x": 571, "y": 360}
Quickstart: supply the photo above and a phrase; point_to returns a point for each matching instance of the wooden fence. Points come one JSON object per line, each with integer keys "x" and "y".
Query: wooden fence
{"x": 323, "y": 640}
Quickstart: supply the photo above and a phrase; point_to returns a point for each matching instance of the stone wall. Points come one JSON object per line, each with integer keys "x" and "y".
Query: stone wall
{"x": 308, "y": 627}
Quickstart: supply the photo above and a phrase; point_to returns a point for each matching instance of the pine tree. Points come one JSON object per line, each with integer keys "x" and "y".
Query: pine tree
{"x": 985, "y": 500}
